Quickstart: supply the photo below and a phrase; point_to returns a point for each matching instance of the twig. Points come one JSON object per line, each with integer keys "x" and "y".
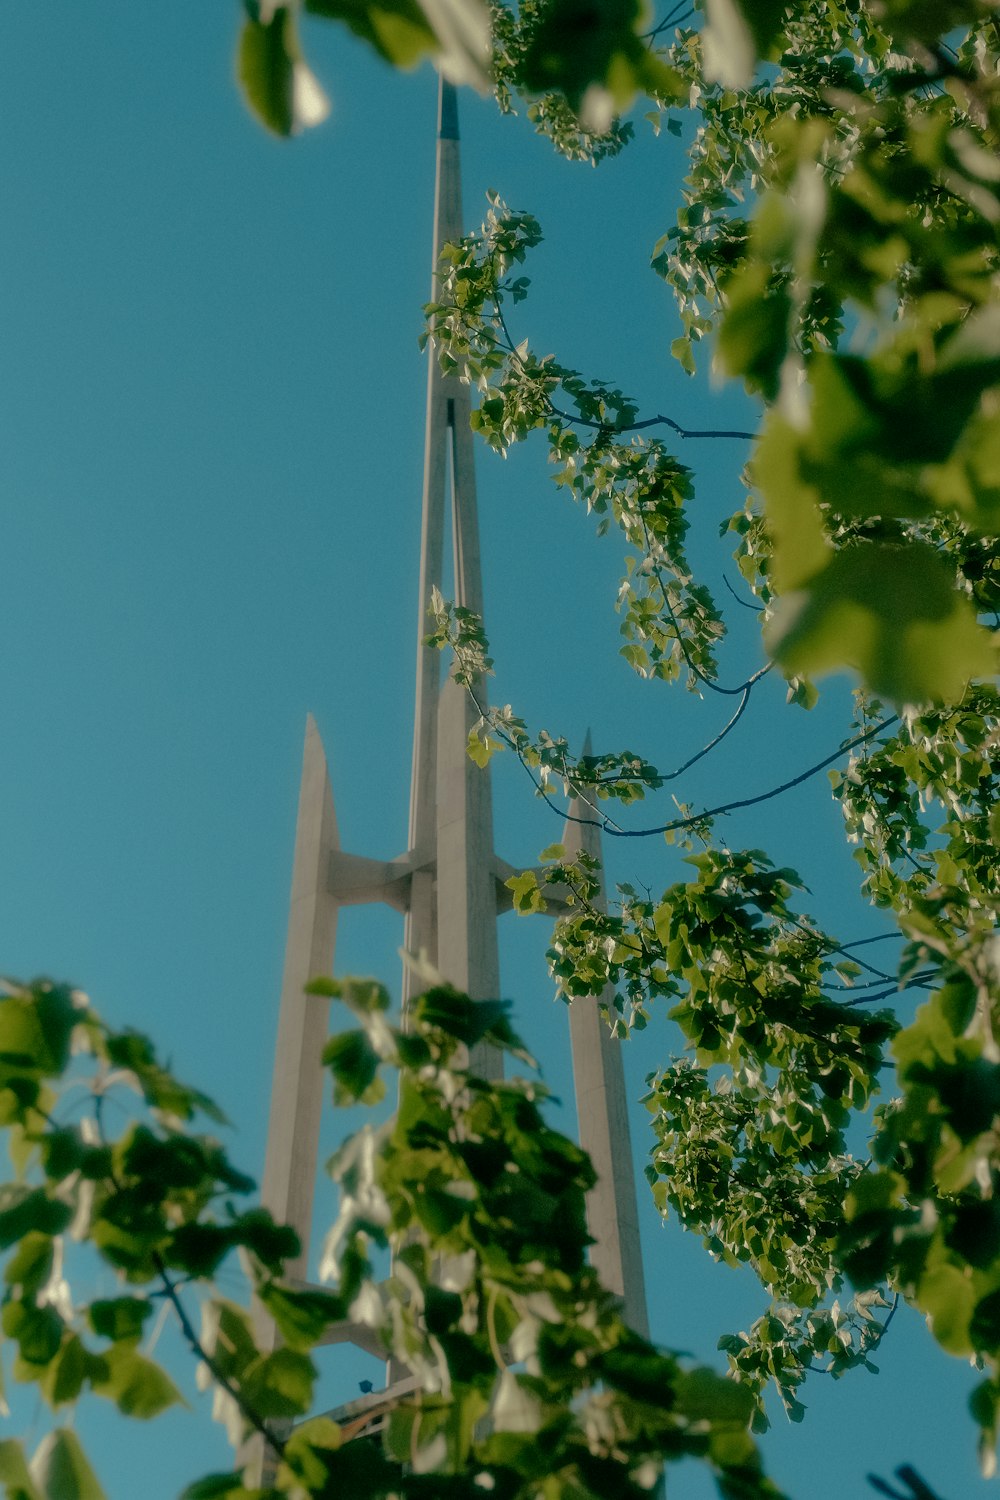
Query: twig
{"x": 706, "y": 749}
{"x": 170, "y": 1293}
{"x": 726, "y": 807}
{"x": 672, "y": 17}
{"x": 615, "y": 428}
{"x": 882, "y": 937}
{"x": 706, "y": 681}
{"x": 611, "y": 428}
{"x": 758, "y": 609}
{"x": 187, "y": 1328}
{"x": 919, "y": 983}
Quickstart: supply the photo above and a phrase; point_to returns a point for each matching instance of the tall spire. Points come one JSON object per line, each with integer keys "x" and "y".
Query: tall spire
{"x": 602, "y": 1115}
{"x": 449, "y": 883}
{"x": 303, "y": 1022}
{"x": 453, "y": 907}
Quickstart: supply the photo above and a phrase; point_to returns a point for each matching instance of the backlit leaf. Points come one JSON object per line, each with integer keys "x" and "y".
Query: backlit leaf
{"x": 62, "y": 1470}
{"x": 895, "y": 615}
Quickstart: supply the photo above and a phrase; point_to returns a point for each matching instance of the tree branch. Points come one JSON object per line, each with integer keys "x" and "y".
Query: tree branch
{"x": 187, "y": 1328}
{"x": 677, "y": 824}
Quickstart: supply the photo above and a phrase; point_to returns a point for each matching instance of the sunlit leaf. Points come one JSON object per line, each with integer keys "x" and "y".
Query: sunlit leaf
{"x": 138, "y": 1386}
{"x": 894, "y": 614}
{"x": 62, "y": 1470}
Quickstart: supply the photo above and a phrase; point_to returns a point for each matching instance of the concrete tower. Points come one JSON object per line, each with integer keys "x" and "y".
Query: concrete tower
{"x": 449, "y": 884}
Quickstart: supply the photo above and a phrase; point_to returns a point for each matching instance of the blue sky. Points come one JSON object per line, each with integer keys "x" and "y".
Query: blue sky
{"x": 212, "y": 409}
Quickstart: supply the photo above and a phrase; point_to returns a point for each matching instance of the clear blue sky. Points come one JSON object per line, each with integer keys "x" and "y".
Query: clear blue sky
{"x": 212, "y": 409}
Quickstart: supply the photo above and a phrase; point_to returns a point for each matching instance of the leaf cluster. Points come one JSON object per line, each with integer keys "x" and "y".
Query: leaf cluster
{"x": 526, "y": 1380}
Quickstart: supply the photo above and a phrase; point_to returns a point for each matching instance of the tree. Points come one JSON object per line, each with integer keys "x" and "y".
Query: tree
{"x": 873, "y": 547}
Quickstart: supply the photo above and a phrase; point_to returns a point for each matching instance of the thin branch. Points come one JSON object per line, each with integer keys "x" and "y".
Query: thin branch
{"x": 706, "y": 681}
{"x": 607, "y": 825}
{"x": 758, "y": 609}
{"x": 677, "y": 824}
{"x": 170, "y": 1293}
{"x": 611, "y": 428}
{"x": 883, "y": 937}
{"x": 892, "y": 1312}
{"x": 918, "y": 1490}
{"x": 919, "y": 983}
{"x": 607, "y": 822}
{"x": 874, "y": 984}
{"x": 673, "y": 17}
{"x": 706, "y": 749}
{"x": 614, "y": 429}
{"x": 843, "y": 948}
{"x": 187, "y": 1328}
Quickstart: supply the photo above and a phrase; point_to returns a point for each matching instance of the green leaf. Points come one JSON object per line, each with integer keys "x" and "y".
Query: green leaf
{"x": 119, "y": 1318}
{"x": 306, "y": 1452}
{"x": 14, "y": 1473}
{"x": 301, "y": 1316}
{"x": 29, "y": 1267}
{"x": 681, "y": 350}
{"x": 527, "y": 896}
{"x": 364, "y": 996}
{"x": 397, "y": 29}
{"x": 405, "y": 31}
{"x": 214, "y": 1486}
{"x": 737, "y": 32}
{"x": 801, "y": 549}
{"x": 984, "y": 1325}
{"x": 138, "y": 1386}
{"x": 481, "y": 748}
{"x": 468, "y": 1021}
{"x": 35, "y": 1028}
{"x": 278, "y": 86}
{"x": 754, "y": 335}
{"x": 280, "y": 1385}
{"x": 595, "y": 55}
{"x": 63, "y": 1380}
{"x": 945, "y": 1293}
{"x": 354, "y": 1063}
{"x": 61, "y": 1468}
{"x": 38, "y": 1330}
{"x": 265, "y": 66}
{"x": 133, "y": 1051}
{"x": 273, "y": 1244}
{"x": 893, "y": 613}
{"x": 705, "y": 1395}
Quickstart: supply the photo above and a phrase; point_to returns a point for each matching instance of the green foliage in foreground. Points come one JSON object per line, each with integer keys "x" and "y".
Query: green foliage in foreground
{"x": 848, "y": 184}
{"x": 528, "y": 1383}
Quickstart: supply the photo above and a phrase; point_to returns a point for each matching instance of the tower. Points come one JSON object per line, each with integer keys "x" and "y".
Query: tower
{"x": 449, "y": 884}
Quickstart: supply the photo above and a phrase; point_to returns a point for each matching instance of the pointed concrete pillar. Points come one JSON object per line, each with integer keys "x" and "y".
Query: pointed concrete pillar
{"x": 303, "y": 1020}
{"x": 602, "y": 1113}
{"x": 453, "y": 902}
{"x": 420, "y": 935}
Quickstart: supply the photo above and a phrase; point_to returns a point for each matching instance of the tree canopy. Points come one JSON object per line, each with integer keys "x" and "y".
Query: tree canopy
{"x": 835, "y": 251}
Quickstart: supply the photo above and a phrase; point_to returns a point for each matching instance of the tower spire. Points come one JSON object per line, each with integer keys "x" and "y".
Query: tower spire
{"x": 453, "y": 907}
{"x": 602, "y": 1114}
{"x": 449, "y": 883}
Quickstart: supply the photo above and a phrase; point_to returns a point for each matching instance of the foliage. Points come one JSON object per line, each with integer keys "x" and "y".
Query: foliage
{"x": 867, "y": 144}
{"x": 466, "y": 1175}
{"x": 836, "y": 248}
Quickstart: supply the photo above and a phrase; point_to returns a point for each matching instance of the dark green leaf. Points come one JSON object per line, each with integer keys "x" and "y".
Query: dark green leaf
{"x": 62, "y": 1469}
{"x": 119, "y": 1318}
{"x": 301, "y": 1316}
{"x": 353, "y": 1062}
{"x": 265, "y": 68}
